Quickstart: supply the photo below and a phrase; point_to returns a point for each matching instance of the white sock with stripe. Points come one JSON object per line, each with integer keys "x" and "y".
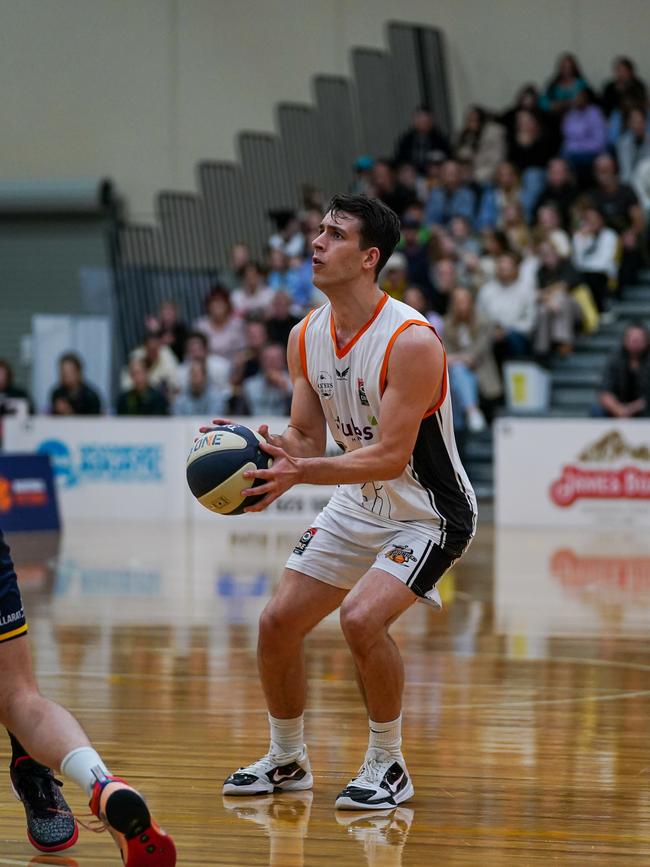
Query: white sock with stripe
{"x": 78, "y": 765}
{"x": 386, "y": 736}
{"x": 287, "y": 735}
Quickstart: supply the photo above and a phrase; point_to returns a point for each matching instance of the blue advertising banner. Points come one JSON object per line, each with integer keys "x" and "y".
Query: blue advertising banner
{"x": 28, "y": 499}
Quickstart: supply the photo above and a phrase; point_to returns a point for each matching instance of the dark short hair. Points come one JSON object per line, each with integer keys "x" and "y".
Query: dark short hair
{"x": 379, "y": 224}
{"x": 73, "y": 359}
{"x": 218, "y": 291}
{"x": 198, "y": 335}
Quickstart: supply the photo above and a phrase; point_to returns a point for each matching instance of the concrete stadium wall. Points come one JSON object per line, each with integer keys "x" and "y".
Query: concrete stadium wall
{"x": 141, "y": 89}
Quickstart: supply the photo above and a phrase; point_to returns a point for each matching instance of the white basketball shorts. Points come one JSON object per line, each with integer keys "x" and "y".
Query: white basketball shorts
{"x": 340, "y": 547}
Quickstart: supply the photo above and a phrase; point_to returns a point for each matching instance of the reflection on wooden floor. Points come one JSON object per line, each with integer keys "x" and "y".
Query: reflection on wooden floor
{"x": 526, "y": 717}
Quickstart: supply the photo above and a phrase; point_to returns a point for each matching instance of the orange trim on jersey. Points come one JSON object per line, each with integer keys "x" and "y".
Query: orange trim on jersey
{"x": 348, "y": 346}
{"x": 384, "y": 366}
{"x": 302, "y": 345}
{"x": 14, "y": 633}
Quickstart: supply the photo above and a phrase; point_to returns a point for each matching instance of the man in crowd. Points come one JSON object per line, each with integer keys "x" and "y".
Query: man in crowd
{"x": 420, "y": 140}
{"x": 268, "y": 393}
{"x": 508, "y": 302}
{"x": 141, "y": 398}
{"x": 625, "y": 389}
{"x": 451, "y": 199}
{"x": 200, "y": 397}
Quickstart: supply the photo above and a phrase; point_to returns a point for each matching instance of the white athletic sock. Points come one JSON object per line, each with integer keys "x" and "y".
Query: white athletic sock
{"x": 287, "y": 735}
{"x": 78, "y": 766}
{"x": 386, "y": 736}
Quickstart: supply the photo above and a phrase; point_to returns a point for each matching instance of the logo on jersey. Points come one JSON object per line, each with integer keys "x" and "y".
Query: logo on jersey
{"x": 353, "y": 431}
{"x": 342, "y": 375}
{"x": 401, "y": 554}
{"x": 325, "y": 385}
{"x": 304, "y": 540}
{"x": 361, "y": 386}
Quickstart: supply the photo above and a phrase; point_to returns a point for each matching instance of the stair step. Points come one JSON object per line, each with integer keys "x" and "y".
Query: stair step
{"x": 476, "y": 451}
{"x": 632, "y": 309}
{"x": 578, "y": 397}
{"x": 598, "y": 343}
{"x": 578, "y": 377}
{"x": 580, "y": 361}
{"x": 480, "y": 473}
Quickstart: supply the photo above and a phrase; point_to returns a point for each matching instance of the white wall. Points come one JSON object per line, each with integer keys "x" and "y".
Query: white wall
{"x": 141, "y": 89}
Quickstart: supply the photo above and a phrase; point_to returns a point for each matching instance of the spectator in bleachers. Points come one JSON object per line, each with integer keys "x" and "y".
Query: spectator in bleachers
{"x": 9, "y": 390}
{"x": 527, "y": 99}
{"x": 516, "y": 229}
{"x": 558, "y": 314}
{"x": 249, "y": 362}
{"x": 268, "y": 393}
{"x": 289, "y": 237}
{"x": 625, "y": 88}
{"x": 415, "y": 298}
{"x": 280, "y": 319}
{"x": 362, "y": 182}
{"x": 408, "y": 179}
{"x": 218, "y": 368}
{"x": 482, "y": 142}
{"x": 445, "y": 279}
{"x": 199, "y": 397}
{"x": 595, "y": 255}
{"x": 140, "y": 398}
{"x": 240, "y": 256}
{"x": 549, "y": 228}
{"x": 415, "y": 251}
{"x": 584, "y": 134}
{"x": 73, "y": 396}
{"x": 494, "y": 243}
{"x": 223, "y": 329}
{"x": 473, "y": 373}
{"x": 531, "y": 145}
{"x": 253, "y": 296}
{"x": 466, "y": 248}
{"x": 625, "y": 389}
{"x": 451, "y": 199}
{"x": 420, "y": 140}
{"x": 508, "y": 302}
{"x": 393, "y": 278}
{"x": 172, "y": 329}
{"x": 387, "y": 188}
{"x": 634, "y": 145}
{"x": 506, "y": 189}
{"x": 622, "y": 211}
{"x": 160, "y": 362}
{"x": 565, "y": 85}
{"x": 560, "y": 190}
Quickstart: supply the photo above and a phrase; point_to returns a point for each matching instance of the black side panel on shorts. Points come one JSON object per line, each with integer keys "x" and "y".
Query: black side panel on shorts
{"x": 435, "y": 471}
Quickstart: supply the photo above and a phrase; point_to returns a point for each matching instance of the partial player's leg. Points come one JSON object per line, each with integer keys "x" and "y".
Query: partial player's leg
{"x": 52, "y": 736}
{"x": 366, "y": 615}
{"x": 299, "y": 604}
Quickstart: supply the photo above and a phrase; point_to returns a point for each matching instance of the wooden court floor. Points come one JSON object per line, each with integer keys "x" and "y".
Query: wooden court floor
{"x": 527, "y": 707}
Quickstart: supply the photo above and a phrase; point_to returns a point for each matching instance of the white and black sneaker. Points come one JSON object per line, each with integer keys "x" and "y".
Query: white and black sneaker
{"x": 272, "y": 773}
{"x": 382, "y": 782}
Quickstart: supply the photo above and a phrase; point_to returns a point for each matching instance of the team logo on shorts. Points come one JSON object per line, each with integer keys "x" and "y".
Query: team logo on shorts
{"x": 304, "y": 540}
{"x": 325, "y": 385}
{"x": 401, "y": 554}
{"x": 361, "y": 386}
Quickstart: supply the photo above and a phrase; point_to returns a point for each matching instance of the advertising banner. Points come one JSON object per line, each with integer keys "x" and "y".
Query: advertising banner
{"x": 572, "y": 473}
{"x": 27, "y": 493}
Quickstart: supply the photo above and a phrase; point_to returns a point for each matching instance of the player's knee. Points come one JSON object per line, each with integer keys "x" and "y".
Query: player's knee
{"x": 357, "y": 627}
{"x": 14, "y": 698}
{"x": 275, "y": 625}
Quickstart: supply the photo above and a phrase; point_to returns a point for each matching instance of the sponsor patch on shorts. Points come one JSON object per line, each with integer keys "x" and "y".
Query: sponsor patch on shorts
{"x": 304, "y": 540}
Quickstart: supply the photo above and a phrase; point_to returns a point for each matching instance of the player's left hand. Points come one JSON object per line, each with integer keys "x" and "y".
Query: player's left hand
{"x": 284, "y": 474}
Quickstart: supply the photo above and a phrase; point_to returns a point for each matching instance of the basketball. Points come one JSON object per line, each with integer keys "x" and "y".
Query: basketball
{"x": 216, "y": 465}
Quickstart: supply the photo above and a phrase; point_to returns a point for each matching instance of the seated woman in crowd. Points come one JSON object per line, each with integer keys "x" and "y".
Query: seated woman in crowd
{"x": 482, "y": 141}
{"x": 558, "y": 314}
{"x": 223, "y": 329}
{"x": 140, "y": 397}
{"x": 584, "y": 135}
{"x": 199, "y": 396}
{"x": 253, "y": 296}
{"x": 595, "y": 255}
{"x": 549, "y": 228}
{"x": 473, "y": 373}
{"x": 625, "y": 389}
{"x": 506, "y": 190}
{"x": 170, "y": 326}
{"x": 73, "y": 396}
{"x": 565, "y": 85}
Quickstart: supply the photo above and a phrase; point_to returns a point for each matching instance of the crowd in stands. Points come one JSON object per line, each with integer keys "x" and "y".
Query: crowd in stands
{"x": 517, "y": 233}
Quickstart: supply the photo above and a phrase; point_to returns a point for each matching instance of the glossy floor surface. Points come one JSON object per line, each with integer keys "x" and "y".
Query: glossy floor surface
{"x": 527, "y": 707}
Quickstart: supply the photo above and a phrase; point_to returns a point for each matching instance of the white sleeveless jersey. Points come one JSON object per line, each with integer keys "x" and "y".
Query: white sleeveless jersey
{"x": 349, "y": 382}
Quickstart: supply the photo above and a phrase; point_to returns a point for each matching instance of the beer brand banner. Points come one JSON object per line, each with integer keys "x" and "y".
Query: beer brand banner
{"x": 572, "y": 472}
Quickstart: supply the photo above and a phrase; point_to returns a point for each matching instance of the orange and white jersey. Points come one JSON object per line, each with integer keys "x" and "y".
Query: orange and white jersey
{"x": 350, "y": 382}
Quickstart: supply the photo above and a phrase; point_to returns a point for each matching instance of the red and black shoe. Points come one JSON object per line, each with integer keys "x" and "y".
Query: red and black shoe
{"x": 51, "y": 827}
{"x": 142, "y": 843}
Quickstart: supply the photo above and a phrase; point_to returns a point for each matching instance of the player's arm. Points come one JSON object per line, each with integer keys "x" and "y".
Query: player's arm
{"x": 414, "y": 385}
{"x": 305, "y": 435}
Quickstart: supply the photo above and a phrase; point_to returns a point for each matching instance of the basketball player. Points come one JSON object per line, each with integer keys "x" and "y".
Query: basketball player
{"x": 374, "y": 371}
{"x": 53, "y": 737}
